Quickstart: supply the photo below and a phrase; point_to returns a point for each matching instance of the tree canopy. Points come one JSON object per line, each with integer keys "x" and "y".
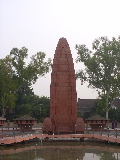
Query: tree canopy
{"x": 32, "y": 105}
{"x": 16, "y": 74}
{"x": 102, "y": 68}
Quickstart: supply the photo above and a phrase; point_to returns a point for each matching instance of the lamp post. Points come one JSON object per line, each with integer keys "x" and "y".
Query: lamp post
{"x": 13, "y": 133}
{"x": 75, "y": 128}
{"x": 41, "y": 109}
{"x": 53, "y": 130}
{"x": 25, "y": 129}
{"x": 101, "y": 130}
{"x": 58, "y": 130}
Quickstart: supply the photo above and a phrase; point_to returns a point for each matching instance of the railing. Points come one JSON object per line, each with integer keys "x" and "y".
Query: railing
{"x": 12, "y": 132}
{"x": 109, "y": 132}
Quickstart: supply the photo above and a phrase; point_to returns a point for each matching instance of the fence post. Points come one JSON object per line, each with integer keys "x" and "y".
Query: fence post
{"x": 101, "y": 130}
{"x": 108, "y": 131}
{"x": 42, "y": 130}
{"x": 86, "y": 129}
{"x": 58, "y": 130}
{"x": 2, "y": 133}
{"x": 13, "y": 133}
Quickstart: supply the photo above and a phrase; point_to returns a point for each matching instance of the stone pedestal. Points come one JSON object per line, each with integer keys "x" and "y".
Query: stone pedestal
{"x": 97, "y": 122}
{"x": 2, "y": 121}
{"x": 25, "y": 122}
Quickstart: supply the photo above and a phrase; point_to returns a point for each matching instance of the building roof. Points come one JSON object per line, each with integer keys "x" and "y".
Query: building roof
{"x": 84, "y": 105}
{"x": 1, "y": 118}
{"x": 25, "y": 117}
{"x": 97, "y": 117}
{"x": 90, "y": 102}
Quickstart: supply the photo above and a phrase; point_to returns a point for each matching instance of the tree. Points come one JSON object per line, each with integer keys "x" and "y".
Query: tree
{"x": 98, "y": 108}
{"x": 7, "y": 87}
{"x": 16, "y": 74}
{"x": 102, "y": 68}
{"x": 114, "y": 114}
{"x": 28, "y": 73}
{"x": 106, "y": 155}
{"x": 44, "y": 107}
{"x": 32, "y": 105}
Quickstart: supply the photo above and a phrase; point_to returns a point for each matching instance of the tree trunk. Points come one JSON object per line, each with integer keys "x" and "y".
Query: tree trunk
{"x": 107, "y": 114}
{"x": 107, "y": 109}
{"x": 3, "y": 112}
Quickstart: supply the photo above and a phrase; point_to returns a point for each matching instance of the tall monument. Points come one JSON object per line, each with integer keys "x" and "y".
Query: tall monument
{"x": 63, "y": 96}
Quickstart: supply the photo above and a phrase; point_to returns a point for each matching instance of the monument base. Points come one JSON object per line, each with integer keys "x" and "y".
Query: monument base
{"x": 53, "y": 129}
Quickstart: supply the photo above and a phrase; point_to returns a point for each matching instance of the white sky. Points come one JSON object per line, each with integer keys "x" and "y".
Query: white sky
{"x": 38, "y": 25}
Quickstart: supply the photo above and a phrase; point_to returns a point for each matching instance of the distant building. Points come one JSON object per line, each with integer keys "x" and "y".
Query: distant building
{"x": 116, "y": 103}
{"x": 84, "y": 105}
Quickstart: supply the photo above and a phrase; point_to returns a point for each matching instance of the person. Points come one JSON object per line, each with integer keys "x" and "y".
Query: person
{"x": 113, "y": 125}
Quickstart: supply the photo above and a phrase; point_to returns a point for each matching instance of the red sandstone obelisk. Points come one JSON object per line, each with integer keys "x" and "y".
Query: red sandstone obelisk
{"x": 63, "y": 97}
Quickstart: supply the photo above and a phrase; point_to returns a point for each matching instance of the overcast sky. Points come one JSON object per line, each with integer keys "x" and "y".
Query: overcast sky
{"x": 38, "y": 25}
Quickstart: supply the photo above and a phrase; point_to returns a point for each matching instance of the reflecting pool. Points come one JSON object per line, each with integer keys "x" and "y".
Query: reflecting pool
{"x": 60, "y": 151}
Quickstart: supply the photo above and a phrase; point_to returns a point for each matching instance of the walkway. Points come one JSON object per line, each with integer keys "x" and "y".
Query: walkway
{"x": 23, "y": 138}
